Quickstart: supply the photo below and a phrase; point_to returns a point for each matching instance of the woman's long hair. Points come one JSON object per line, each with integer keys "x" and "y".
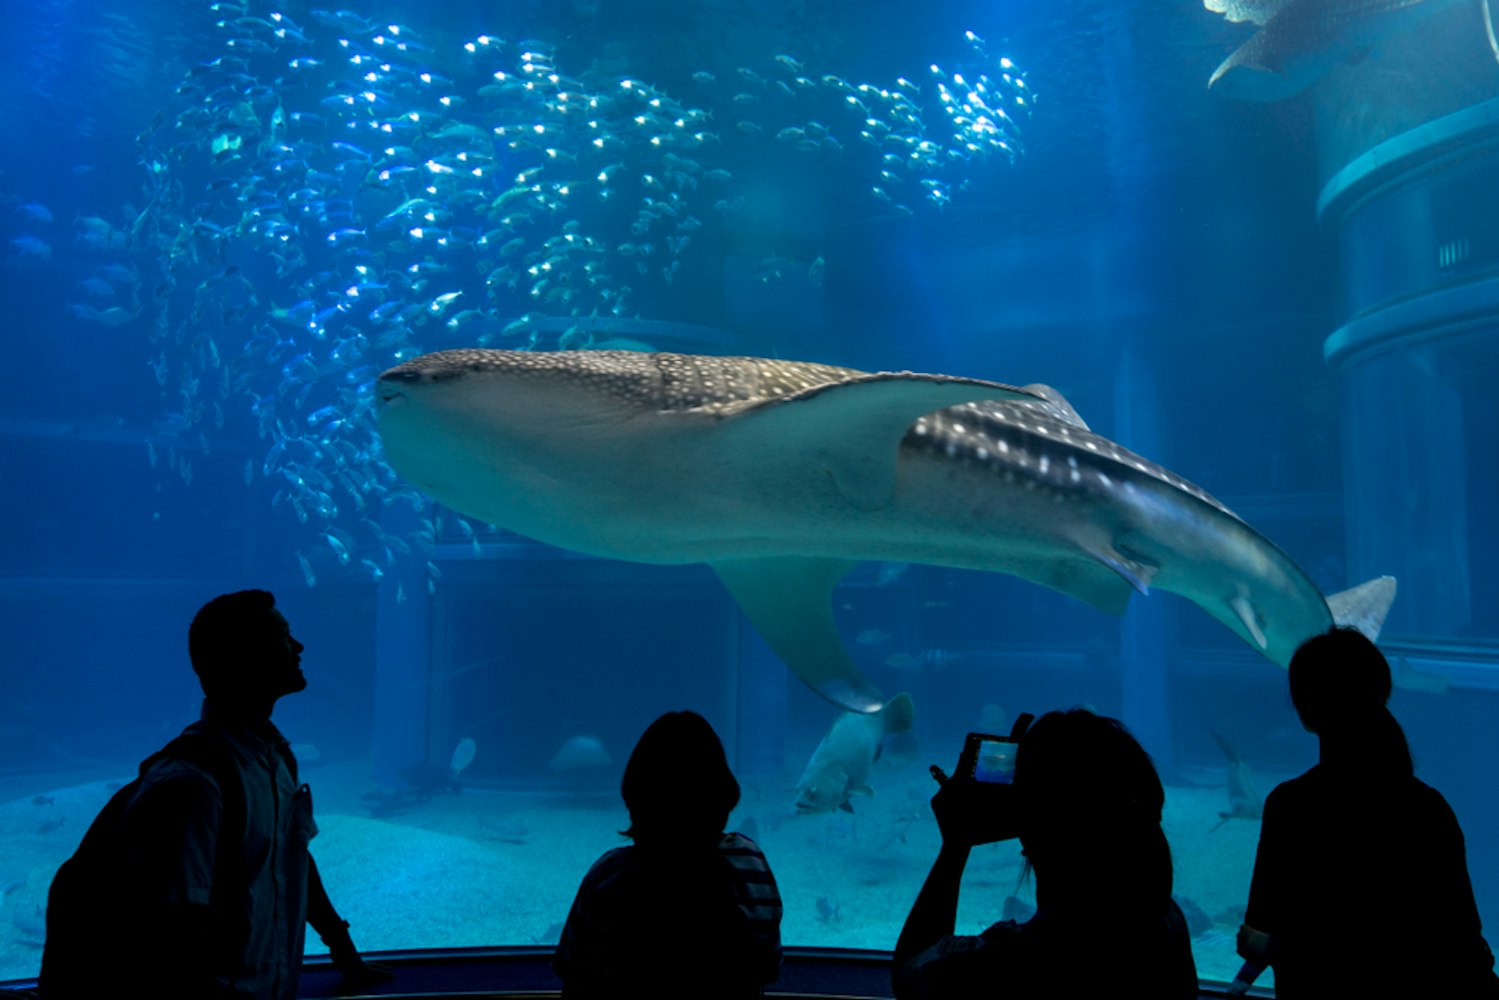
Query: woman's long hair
{"x": 1090, "y": 805}
{"x": 1340, "y": 685}
{"x": 677, "y": 784}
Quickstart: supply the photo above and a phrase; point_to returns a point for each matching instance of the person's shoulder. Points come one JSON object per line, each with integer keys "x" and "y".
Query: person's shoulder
{"x": 738, "y": 843}
{"x": 1002, "y": 932}
{"x": 174, "y": 785}
{"x": 1291, "y": 792}
{"x": 612, "y": 863}
{"x": 1430, "y": 802}
{"x": 617, "y": 857}
{"x": 1422, "y": 790}
{"x": 198, "y": 755}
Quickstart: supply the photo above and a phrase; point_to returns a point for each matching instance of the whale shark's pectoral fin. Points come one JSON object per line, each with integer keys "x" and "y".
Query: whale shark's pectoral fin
{"x": 789, "y": 600}
{"x": 1133, "y": 570}
{"x": 855, "y": 427}
{"x": 1094, "y": 582}
{"x": 1249, "y": 617}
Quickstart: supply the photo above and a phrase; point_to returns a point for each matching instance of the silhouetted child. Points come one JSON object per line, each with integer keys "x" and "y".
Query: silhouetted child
{"x": 1361, "y": 880}
{"x": 687, "y": 910}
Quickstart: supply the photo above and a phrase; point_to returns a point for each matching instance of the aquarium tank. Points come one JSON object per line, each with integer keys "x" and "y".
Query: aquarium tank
{"x": 1255, "y": 257}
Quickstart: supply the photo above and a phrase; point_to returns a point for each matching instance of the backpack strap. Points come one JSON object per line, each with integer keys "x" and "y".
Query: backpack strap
{"x": 203, "y": 748}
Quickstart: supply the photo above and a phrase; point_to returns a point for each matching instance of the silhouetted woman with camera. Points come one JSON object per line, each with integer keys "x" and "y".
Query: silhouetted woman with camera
{"x": 1086, "y": 804}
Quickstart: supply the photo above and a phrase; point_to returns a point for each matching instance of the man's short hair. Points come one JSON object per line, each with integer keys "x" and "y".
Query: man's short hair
{"x": 223, "y": 628}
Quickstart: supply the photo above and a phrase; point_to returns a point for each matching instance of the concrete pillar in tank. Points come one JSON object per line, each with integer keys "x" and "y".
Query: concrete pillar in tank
{"x": 1135, "y": 295}
{"x": 1407, "y": 506}
{"x": 1410, "y": 195}
{"x": 1408, "y": 151}
{"x": 402, "y": 610}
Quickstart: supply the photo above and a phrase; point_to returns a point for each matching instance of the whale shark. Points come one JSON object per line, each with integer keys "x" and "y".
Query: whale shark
{"x": 783, "y": 475}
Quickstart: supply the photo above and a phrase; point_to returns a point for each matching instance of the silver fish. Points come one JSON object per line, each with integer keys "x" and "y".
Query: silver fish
{"x": 1244, "y": 801}
{"x": 839, "y": 767}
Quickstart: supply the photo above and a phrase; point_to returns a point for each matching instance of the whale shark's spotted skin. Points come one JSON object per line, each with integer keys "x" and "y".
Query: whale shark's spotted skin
{"x": 781, "y": 475}
{"x": 1013, "y": 437}
{"x": 1025, "y": 446}
{"x": 663, "y": 381}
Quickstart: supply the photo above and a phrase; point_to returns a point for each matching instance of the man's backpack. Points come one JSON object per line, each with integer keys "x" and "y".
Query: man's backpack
{"x": 93, "y": 925}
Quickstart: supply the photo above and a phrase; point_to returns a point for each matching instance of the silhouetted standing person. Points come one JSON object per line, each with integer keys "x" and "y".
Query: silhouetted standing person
{"x": 195, "y": 882}
{"x": 687, "y": 910}
{"x": 1361, "y": 879}
{"x": 1086, "y": 804}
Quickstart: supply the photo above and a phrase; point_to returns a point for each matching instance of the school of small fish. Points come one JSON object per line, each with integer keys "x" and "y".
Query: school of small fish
{"x": 325, "y": 199}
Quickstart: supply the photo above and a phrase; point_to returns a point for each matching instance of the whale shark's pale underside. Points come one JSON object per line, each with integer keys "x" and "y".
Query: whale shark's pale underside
{"x": 782, "y": 475}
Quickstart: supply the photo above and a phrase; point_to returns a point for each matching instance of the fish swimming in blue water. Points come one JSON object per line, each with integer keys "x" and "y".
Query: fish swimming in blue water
{"x": 1244, "y": 800}
{"x": 481, "y": 190}
{"x": 839, "y": 767}
{"x": 782, "y": 475}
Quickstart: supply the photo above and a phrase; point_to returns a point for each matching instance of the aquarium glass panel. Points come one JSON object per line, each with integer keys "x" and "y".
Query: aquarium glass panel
{"x": 1008, "y": 357}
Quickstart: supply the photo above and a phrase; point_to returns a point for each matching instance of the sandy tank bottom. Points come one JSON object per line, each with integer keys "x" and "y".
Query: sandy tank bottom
{"x": 480, "y": 867}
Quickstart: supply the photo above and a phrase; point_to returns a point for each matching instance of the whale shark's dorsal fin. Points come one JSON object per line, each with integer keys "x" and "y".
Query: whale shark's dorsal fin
{"x": 855, "y": 426}
{"x": 1055, "y": 405}
{"x": 789, "y": 600}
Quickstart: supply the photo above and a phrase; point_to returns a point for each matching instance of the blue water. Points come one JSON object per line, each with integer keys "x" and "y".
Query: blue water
{"x": 220, "y": 225}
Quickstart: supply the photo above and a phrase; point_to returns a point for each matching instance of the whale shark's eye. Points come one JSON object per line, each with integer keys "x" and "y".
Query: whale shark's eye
{"x": 401, "y": 375}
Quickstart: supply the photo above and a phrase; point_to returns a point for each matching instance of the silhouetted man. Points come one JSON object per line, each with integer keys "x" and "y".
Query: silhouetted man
{"x": 199, "y": 872}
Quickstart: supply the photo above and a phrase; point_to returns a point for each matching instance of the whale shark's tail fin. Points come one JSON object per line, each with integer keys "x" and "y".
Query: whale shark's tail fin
{"x": 1364, "y": 607}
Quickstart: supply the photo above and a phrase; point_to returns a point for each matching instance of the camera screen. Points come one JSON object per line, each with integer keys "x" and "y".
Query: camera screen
{"x": 995, "y": 762}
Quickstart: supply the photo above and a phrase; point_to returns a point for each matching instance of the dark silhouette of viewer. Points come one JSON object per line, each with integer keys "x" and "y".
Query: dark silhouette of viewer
{"x": 1086, "y": 804}
{"x": 1361, "y": 878}
{"x": 195, "y": 881}
{"x": 687, "y": 910}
